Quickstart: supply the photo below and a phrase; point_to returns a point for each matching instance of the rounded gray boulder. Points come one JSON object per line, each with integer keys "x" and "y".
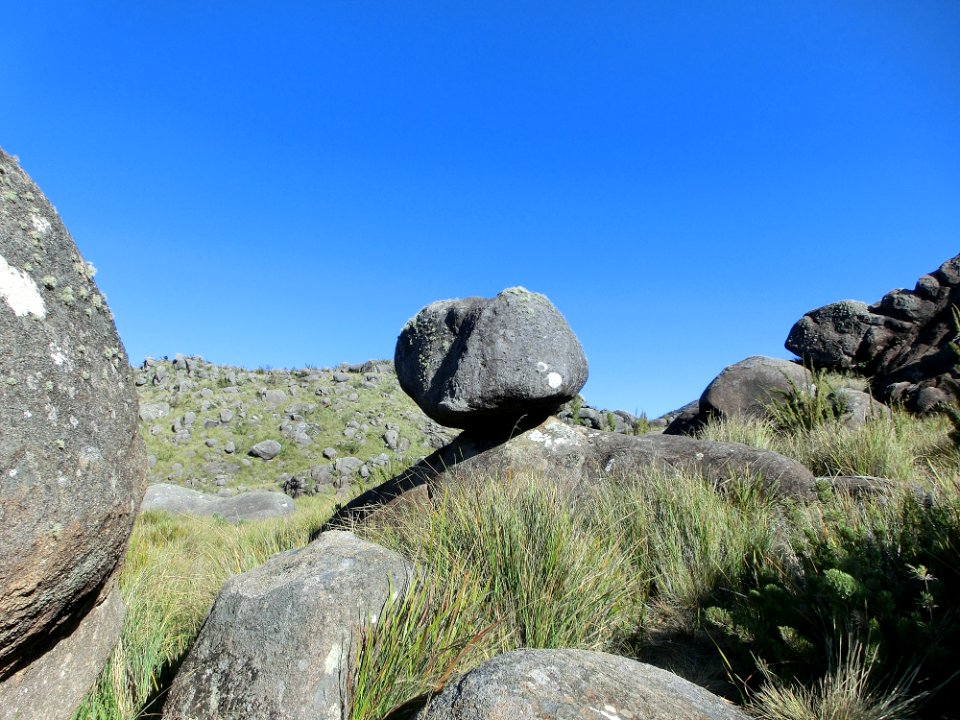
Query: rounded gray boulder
{"x": 748, "y": 387}
{"x": 476, "y": 362}
{"x": 279, "y": 640}
{"x": 72, "y": 463}
{"x": 571, "y": 685}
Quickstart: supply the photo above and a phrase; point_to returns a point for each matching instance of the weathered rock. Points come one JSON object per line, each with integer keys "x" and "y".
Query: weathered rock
{"x": 902, "y": 342}
{"x": 52, "y": 686}
{"x": 254, "y": 505}
{"x": 857, "y": 407}
{"x": 266, "y": 450}
{"x": 154, "y": 411}
{"x": 575, "y": 458}
{"x": 747, "y": 388}
{"x": 477, "y": 362}
{"x": 572, "y": 685}
{"x": 72, "y": 463}
{"x": 278, "y": 641}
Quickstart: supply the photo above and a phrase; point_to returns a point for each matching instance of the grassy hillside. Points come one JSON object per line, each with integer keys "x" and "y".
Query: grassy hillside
{"x": 200, "y": 420}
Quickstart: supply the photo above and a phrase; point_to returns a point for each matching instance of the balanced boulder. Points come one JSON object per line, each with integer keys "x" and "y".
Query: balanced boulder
{"x": 901, "y": 343}
{"x": 484, "y": 363}
{"x": 72, "y": 463}
{"x": 279, "y": 640}
{"x": 571, "y": 685}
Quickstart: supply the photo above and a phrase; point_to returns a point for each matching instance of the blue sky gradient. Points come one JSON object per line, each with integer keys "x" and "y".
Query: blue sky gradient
{"x": 285, "y": 183}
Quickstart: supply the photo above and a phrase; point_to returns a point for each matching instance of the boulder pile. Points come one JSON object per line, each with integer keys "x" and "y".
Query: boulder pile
{"x": 901, "y": 343}
{"x": 72, "y": 463}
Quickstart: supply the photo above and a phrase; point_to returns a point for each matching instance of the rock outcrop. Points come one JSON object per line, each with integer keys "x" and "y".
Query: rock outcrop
{"x": 279, "y": 639}
{"x": 478, "y": 362}
{"x": 72, "y": 463}
{"x": 902, "y": 342}
{"x": 571, "y": 685}
{"x": 750, "y": 386}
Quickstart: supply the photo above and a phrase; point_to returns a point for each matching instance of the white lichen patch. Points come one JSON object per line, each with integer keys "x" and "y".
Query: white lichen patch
{"x": 554, "y": 380}
{"x": 548, "y": 440}
{"x": 57, "y": 354}
{"x": 20, "y": 291}
{"x": 40, "y": 224}
{"x": 333, "y": 661}
{"x": 609, "y": 712}
{"x": 542, "y": 367}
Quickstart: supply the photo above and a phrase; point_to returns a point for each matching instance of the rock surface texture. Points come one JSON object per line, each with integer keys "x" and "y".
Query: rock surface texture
{"x": 255, "y": 505}
{"x": 573, "y": 685}
{"x": 902, "y": 342}
{"x": 479, "y": 362}
{"x": 278, "y": 641}
{"x": 72, "y": 463}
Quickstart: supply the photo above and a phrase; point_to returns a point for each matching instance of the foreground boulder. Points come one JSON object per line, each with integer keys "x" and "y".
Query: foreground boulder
{"x": 575, "y": 458}
{"x": 254, "y": 505}
{"x": 484, "y": 363}
{"x": 72, "y": 464}
{"x": 572, "y": 685}
{"x": 279, "y": 640}
{"x": 902, "y": 342}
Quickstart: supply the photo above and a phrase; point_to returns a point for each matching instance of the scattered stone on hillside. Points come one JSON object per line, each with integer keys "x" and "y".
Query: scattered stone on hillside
{"x": 266, "y": 449}
{"x": 902, "y": 342}
{"x": 254, "y": 505}
{"x": 477, "y": 362}
{"x": 72, "y": 462}
{"x": 679, "y": 421}
{"x": 576, "y": 458}
{"x": 279, "y": 640}
{"x": 572, "y": 685}
{"x": 226, "y": 415}
{"x": 155, "y": 411}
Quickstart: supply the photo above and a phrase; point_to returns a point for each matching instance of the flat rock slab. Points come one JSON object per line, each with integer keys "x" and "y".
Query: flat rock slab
{"x": 574, "y": 685}
{"x": 254, "y": 505}
{"x": 72, "y": 462}
{"x": 477, "y": 362}
{"x": 279, "y": 640}
{"x": 574, "y": 458}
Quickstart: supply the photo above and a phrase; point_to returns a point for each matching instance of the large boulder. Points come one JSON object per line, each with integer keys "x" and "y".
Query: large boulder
{"x": 747, "y": 388}
{"x": 253, "y": 505}
{"x": 571, "y": 685}
{"x": 279, "y": 639}
{"x": 72, "y": 463}
{"x": 575, "y": 458}
{"x": 483, "y": 363}
{"x": 902, "y": 342}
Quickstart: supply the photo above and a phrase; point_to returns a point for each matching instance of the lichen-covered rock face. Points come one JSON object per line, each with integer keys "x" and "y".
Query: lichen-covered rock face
{"x": 478, "y": 362}
{"x": 902, "y": 342}
{"x": 72, "y": 464}
{"x": 280, "y": 638}
{"x": 574, "y": 684}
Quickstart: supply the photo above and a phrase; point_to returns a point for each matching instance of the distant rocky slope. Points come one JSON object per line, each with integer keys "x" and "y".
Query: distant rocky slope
{"x": 309, "y": 431}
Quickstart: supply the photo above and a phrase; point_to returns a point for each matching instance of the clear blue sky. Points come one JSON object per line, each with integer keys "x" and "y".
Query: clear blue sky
{"x": 285, "y": 183}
